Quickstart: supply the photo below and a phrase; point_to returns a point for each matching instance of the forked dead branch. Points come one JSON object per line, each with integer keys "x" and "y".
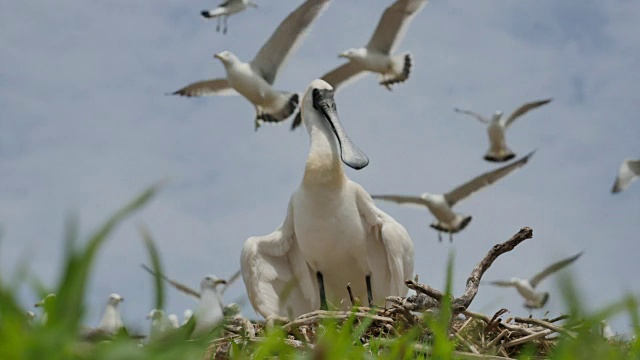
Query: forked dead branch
{"x": 429, "y": 297}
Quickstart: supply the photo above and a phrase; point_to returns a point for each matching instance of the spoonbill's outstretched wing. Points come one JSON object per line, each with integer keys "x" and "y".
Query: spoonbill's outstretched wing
{"x": 279, "y": 281}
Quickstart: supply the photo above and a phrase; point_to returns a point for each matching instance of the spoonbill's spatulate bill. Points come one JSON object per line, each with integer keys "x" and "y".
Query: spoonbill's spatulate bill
{"x": 378, "y": 56}
{"x": 496, "y": 128}
{"x": 441, "y": 205}
{"x": 526, "y": 287}
{"x": 332, "y": 235}
{"x": 628, "y": 173}
{"x": 226, "y": 9}
{"x": 254, "y": 80}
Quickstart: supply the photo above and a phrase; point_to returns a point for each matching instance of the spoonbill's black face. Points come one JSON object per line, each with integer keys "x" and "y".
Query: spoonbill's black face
{"x": 324, "y": 103}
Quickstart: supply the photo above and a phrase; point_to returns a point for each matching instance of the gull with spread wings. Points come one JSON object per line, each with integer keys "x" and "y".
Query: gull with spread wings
{"x": 526, "y": 287}
{"x": 254, "y": 80}
{"x": 628, "y": 173}
{"x": 441, "y": 205}
{"x": 496, "y": 128}
{"x": 226, "y": 9}
{"x": 377, "y": 56}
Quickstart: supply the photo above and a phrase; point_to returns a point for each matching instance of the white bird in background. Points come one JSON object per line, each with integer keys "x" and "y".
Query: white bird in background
{"x": 332, "y": 235}
{"x": 111, "y": 321}
{"x": 209, "y": 313}
{"x": 440, "y": 205}
{"x": 377, "y": 56}
{"x": 186, "y": 315}
{"x": 498, "y": 149}
{"x": 606, "y": 331}
{"x": 173, "y": 321}
{"x": 526, "y": 287}
{"x": 254, "y": 80}
{"x": 226, "y": 9}
{"x": 159, "y": 324}
{"x": 628, "y": 173}
{"x": 46, "y": 304}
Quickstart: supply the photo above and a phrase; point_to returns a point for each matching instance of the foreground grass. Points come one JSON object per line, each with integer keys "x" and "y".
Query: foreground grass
{"x": 60, "y": 337}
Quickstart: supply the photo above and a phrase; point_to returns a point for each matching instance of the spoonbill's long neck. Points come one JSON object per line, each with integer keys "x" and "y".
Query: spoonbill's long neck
{"x": 324, "y": 166}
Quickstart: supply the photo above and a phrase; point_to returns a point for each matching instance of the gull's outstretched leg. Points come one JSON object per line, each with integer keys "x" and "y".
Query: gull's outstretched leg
{"x": 450, "y": 237}
{"x": 225, "y": 25}
{"x": 218, "y": 25}
{"x": 323, "y": 297}
{"x": 439, "y": 236}
{"x": 369, "y": 293}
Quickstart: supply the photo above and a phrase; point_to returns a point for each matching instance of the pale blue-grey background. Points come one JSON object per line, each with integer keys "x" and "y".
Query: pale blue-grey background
{"x": 85, "y": 126}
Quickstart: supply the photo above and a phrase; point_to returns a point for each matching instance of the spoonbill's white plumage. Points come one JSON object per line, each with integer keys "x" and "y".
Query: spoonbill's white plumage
{"x": 111, "y": 321}
{"x": 441, "y": 205}
{"x": 226, "y": 9}
{"x": 208, "y": 314}
{"x": 332, "y": 234}
{"x": 628, "y": 173}
{"x": 496, "y": 127}
{"x": 377, "y": 56}
{"x": 526, "y": 287}
{"x": 254, "y": 80}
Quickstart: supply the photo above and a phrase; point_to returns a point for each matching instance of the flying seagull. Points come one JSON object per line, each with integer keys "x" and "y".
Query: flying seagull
{"x": 332, "y": 235}
{"x": 377, "y": 56}
{"x": 498, "y": 149}
{"x": 441, "y": 205}
{"x": 628, "y": 173}
{"x": 526, "y": 287}
{"x": 186, "y": 289}
{"x": 254, "y": 80}
{"x": 226, "y": 9}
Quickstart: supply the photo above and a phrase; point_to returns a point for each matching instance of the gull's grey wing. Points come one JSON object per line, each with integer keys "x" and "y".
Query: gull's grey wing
{"x": 343, "y": 74}
{"x": 484, "y": 180}
{"x": 628, "y": 173}
{"x": 393, "y": 25}
{"x": 286, "y": 39}
{"x": 231, "y": 280}
{"x": 502, "y": 283}
{"x": 553, "y": 268}
{"x": 479, "y": 117}
{"x": 402, "y": 199}
{"x": 207, "y": 87}
{"x": 524, "y": 109}
{"x": 179, "y": 286}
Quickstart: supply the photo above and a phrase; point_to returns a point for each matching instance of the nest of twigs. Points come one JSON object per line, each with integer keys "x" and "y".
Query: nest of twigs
{"x": 476, "y": 336}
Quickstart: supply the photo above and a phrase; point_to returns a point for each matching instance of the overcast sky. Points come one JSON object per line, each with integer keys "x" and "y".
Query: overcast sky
{"x": 85, "y": 126}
